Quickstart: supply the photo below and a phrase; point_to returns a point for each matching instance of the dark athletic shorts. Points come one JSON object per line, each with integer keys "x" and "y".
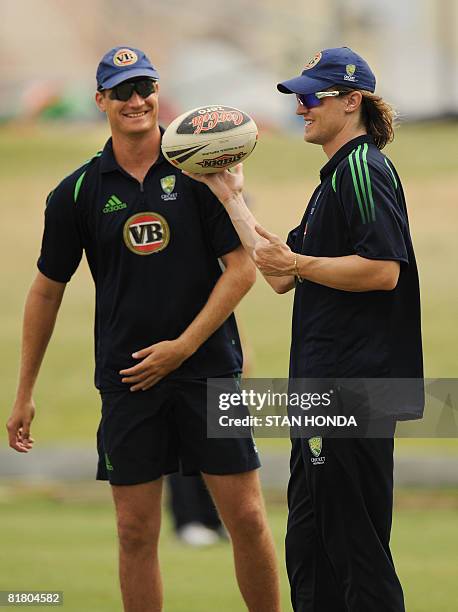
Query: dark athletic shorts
{"x": 145, "y": 434}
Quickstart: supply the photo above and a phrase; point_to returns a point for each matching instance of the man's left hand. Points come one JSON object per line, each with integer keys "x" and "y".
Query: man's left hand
{"x": 157, "y": 361}
{"x": 272, "y": 256}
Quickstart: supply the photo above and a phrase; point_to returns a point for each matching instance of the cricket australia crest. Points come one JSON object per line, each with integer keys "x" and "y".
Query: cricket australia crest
{"x": 316, "y": 445}
{"x": 168, "y": 185}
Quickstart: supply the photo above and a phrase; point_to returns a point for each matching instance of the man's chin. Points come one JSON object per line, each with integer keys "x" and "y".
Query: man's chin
{"x": 311, "y": 139}
{"x": 138, "y": 130}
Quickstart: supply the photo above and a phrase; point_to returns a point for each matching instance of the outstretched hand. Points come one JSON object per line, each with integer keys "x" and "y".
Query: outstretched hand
{"x": 224, "y": 184}
{"x": 272, "y": 256}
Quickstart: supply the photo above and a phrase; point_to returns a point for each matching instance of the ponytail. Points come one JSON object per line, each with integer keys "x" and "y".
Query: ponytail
{"x": 378, "y": 117}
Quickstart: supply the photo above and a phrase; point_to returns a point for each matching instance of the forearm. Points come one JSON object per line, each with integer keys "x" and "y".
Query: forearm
{"x": 244, "y": 223}
{"x": 349, "y": 273}
{"x": 227, "y": 293}
{"x": 39, "y": 319}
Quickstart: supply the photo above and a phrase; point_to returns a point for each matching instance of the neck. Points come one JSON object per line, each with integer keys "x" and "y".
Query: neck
{"x": 138, "y": 152}
{"x": 344, "y": 136}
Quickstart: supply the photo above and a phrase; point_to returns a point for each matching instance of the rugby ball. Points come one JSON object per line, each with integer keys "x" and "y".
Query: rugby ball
{"x": 209, "y": 138}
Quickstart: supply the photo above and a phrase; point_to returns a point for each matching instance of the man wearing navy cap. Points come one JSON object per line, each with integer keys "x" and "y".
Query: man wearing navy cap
{"x": 356, "y": 316}
{"x": 164, "y": 324}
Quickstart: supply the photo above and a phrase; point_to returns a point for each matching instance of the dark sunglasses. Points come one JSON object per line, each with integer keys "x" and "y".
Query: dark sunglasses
{"x": 314, "y": 99}
{"x": 123, "y": 91}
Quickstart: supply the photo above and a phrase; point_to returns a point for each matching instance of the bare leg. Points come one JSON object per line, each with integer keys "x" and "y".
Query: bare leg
{"x": 138, "y": 510}
{"x": 239, "y": 500}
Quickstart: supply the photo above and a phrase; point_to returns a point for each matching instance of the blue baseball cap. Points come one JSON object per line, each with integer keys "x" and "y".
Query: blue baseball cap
{"x": 339, "y": 66}
{"x": 121, "y": 64}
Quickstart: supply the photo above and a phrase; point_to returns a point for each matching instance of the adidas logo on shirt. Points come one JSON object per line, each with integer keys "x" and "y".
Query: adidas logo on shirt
{"x": 113, "y": 204}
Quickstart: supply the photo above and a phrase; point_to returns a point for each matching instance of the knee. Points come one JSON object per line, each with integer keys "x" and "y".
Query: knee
{"x": 136, "y": 536}
{"x": 248, "y": 522}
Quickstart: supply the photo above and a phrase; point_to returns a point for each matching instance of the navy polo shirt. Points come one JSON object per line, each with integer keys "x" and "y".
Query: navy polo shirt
{"x": 153, "y": 252}
{"x": 358, "y": 208}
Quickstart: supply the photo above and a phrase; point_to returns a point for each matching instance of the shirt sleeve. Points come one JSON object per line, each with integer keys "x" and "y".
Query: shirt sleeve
{"x": 368, "y": 193}
{"x": 217, "y": 224}
{"x": 291, "y": 241}
{"x": 61, "y": 246}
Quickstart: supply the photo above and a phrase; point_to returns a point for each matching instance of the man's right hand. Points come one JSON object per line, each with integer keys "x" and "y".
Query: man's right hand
{"x": 18, "y": 426}
{"x": 225, "y": 184}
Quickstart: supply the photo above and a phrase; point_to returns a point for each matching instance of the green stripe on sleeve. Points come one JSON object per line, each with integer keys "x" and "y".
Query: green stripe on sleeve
{"x": 392, "y": 173}
{"x": 355, "y": 185}
{"x": 78, "y": 186}
{"x": 361, "y": 180}
{"x": 368, "y": 180}
{"x": 334, "y": 176}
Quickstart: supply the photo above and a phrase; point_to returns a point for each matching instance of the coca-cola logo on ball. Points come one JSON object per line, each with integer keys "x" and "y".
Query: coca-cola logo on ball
{"x": 212, "y": 119}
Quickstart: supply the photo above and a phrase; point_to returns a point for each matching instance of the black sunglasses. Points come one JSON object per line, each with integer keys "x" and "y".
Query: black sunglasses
{"x": 123, "y": 91}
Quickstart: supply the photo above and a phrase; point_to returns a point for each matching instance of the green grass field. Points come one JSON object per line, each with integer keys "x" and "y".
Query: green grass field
{"x": 70, "y": 545}
{"x": 280, "y": 177}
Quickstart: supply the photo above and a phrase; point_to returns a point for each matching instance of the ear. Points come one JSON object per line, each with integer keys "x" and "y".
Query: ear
{"x": 100, "y": 100}
{"x": 353, "y": 101}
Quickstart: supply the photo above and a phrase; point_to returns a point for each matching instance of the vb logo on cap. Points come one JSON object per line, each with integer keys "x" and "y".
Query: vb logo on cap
{"x": 125, "y": 57}
{"x": 314, "y": 61}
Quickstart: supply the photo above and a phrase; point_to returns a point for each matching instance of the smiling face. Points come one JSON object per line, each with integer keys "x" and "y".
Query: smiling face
{"x": 136, "y": 116}
{"x": 332, "y": 120}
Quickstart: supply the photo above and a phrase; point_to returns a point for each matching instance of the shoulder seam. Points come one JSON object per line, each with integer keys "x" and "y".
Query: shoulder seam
{"x": 395, "y": 182}
{"x": 334, "y": 176}
{"x": 80, "y": 179}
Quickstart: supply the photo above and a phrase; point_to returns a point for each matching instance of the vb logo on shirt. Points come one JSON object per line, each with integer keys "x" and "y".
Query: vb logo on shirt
{"x": 146, "y": 233}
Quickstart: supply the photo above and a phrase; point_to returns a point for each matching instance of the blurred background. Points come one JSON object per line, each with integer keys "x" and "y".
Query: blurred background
{"x": 235, "y": 51}
{"x": 57, "y": 526}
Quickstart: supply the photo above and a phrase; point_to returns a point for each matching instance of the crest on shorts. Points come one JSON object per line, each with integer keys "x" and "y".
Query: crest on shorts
{"x": 315, "y": 445}
{"x": 108, "y": 463}
{"x": 313, "y": 61}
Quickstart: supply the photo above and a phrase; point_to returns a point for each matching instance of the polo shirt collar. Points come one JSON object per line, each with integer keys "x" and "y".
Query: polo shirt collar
{"x": 342, "y": 153}
{"x": 108, "y": 161}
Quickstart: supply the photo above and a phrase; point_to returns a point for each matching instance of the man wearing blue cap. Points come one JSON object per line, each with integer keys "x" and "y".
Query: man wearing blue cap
{"x": 164, "y": 324}
{"x": 356, "y": 316}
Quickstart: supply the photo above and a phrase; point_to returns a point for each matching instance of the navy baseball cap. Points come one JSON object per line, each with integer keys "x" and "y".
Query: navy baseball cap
{"x": 121, "y": 64}
{"x": 339, "y": 66}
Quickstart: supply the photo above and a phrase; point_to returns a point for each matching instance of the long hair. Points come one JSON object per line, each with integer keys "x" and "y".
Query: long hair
{"x": 377, "y": 116}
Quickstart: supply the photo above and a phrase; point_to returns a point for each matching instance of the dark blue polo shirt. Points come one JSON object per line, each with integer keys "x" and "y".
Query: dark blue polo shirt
{"x": 358, "y": 208}
{"x": 153, "y": 252}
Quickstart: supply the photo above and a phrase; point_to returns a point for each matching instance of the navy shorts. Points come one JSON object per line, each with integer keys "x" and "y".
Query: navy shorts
{"x": 145, "y": 434}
